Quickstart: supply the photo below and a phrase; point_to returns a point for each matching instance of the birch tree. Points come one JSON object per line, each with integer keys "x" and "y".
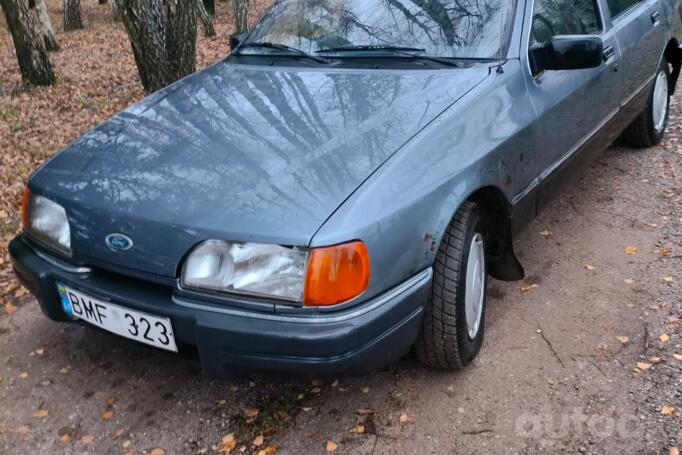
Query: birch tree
{"x": 31, "y": 54}
{"x": 241, "y": 15}
{"x": 49, "y": 38}
{"x": 163, "y": 36}
{"x": 72, "y": 15}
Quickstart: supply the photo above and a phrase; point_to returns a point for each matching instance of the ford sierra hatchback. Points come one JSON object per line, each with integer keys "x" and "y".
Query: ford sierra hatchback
{"x": 338, "y": 190}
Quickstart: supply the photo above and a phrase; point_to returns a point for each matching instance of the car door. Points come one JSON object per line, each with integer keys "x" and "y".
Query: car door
{"x": 571, "y": 105}
{"x": 641, "y": 37}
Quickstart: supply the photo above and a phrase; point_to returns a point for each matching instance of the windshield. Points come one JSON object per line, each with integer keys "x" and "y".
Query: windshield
{"x": 444, "y": 28}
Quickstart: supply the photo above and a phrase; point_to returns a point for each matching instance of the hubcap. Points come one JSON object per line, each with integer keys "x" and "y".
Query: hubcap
{"x": 475, "y": 286}
{"x": 660, "y": 101}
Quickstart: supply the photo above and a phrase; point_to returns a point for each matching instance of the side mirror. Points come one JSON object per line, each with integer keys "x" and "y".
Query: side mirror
{"x": 236, "y": 40}
{"x": 569, "y": 52}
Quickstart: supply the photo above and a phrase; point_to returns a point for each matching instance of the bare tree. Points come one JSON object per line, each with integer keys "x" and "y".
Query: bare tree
{"x": 46, "y": 24}
{"x": 205, "y": 17}
{"x": 163, "y": 37}
{"x": 241, "y": 15}
{"x": 116, "y": 10}
{"x": 72, "y": 15}
{"x": 33, "y": 61}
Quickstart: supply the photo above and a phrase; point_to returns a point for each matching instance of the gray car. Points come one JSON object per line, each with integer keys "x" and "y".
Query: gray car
{"x": 339, "y": 189}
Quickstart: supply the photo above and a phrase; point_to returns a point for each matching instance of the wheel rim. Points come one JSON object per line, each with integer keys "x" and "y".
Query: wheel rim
{"x": 475, "y": 286}
{"x": 660, "y": 101}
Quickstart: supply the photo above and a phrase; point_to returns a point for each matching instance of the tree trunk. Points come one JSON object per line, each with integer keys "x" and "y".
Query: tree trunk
{"x": 33, "y": 61}
{"x": 48, "y": 32}
{"x": 72, "y": 15}
{"x": 241, "y": 15}
{"x": 116, "y": 10}
{"x": 206, "y": 20}
{"x": 163, "y": 36}
{"x": 210, "y": 6}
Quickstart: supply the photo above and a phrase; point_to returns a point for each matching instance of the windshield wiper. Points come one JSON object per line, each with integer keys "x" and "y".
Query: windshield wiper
{"x": 413, "y": 53}
{"x": 290, "y": 51}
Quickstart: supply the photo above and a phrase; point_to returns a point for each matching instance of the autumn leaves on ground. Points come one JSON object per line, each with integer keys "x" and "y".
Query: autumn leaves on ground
{"x": 585, "y": 356}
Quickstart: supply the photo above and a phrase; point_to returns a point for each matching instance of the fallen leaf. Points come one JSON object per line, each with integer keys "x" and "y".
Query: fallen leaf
{"x": 41, "y": 413}
{"x": 589, "y": 267}
{"x": 268, "y": 450}
{"x": 673, "y": 451}
{"x": 66, "y": 437}
{"x": 643, "y": 365}
{"x": 23, "y": 375}
{"x": 87, "y": 439}
{"x": 655, "y": 360}
{"x": 358, "y": 429}
{"x": 119, "y": 432}
{"x": 546, "y": 233}
{"x": 258, "y": 440}
{"x": 306, "y": 409}
{"x": 364, "y": 411}
{"x": 331, "y": 446}
{"x": 623, "y": 340}
{"x": 40, "y": 351}
{"x": 250, "y": 412}
{"x": 228, "y": 443}
{"x": 365, "y": 390}
{"x": 677, "y": 357}
{"x": 157, "y": 451}
{"x": 669, "y": 411}
{"x": 629, "y": 281}
{"x": 110, "y": 401}
{"x": 631, "y": 250}
{"x": 529, "y": 287}
{"x": 126, "y": 444}
{"x": 404, "y": 418}
{"x": 106, "y": 415}
{"x": 9, "y": 308}
{"x": 664, "y": 252}
{"x": 316, "y": 383}
{"x": 22, "y": 429}
{"x": 300, "y": 396}
{"x": 315, "y": 390}
{"x": 63, "y": 370}
{"x": 668, "y": 279}
{"x": 664, "y": 338}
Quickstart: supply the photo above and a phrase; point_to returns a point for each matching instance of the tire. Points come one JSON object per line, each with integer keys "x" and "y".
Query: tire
{"x": 644, "y": 132}
{"x": 444, "y": 340}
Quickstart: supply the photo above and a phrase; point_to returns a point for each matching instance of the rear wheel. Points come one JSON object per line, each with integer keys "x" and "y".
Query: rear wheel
{"x": 454, "y": 319}
{"x": 649, "y": 127}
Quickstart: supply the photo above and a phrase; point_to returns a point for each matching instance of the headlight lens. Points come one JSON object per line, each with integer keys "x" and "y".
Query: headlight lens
{"x": 251, "y": 269}
{"x": 46, "y": 221}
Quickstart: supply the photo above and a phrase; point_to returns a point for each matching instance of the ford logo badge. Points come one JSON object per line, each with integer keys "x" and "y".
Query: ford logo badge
{"x": 119, "y": 242}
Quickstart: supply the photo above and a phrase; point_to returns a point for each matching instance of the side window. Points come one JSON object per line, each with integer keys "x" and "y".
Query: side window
{"x": 562, "y": 17}
{"x": 616, "y": 7}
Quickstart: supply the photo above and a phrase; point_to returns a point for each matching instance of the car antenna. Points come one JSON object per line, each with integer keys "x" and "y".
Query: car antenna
{"x": 500, "y": 69}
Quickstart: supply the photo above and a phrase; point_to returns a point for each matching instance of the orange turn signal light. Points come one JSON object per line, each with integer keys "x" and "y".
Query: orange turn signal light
{"x": 336, "y": 274}
{"x": 24, "y": 206}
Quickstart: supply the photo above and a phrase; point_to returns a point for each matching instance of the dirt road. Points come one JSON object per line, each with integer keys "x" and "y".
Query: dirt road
{"x": 553, "y": 376}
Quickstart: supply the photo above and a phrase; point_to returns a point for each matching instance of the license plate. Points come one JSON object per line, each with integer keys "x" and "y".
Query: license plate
{"x": 135, "y": 325}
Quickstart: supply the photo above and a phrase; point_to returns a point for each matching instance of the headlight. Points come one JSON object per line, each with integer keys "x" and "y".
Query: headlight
{"x": 317, "y": 277}
{"x": 252, "y": 269}
{"x": 46, "y": 221}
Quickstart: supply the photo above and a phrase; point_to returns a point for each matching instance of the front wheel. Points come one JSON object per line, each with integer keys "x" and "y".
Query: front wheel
{"x": 649, "y": 127}
{"x": 454, "y": 318}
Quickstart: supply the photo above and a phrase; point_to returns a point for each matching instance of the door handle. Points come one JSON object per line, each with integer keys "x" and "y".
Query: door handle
{"x": 609, "y": 53}
{"x": 655, "y": 17}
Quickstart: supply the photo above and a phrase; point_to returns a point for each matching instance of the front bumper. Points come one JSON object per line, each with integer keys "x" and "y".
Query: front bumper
{"x": 351, "y": 341}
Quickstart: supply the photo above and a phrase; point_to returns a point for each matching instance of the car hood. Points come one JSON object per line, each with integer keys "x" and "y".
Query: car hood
{"x": 246, "y": 153}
